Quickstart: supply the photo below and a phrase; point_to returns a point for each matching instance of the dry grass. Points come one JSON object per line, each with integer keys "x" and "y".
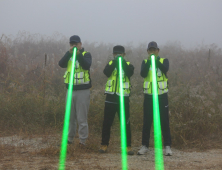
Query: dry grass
{"x": 32, "y": 93}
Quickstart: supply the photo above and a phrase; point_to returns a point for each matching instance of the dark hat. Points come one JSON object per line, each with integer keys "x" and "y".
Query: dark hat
{"x": 74, "y": 39}
{"x": 118, "y": 49}
{"x": 152, "y": 44}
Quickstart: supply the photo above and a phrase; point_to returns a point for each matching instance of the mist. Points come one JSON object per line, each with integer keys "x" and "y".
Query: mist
{"x": 125, "y": 22}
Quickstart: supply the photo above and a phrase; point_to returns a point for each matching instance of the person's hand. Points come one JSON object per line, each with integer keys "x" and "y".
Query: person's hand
{"x": 116, "y": 57}
{"x": 114, "y": 62}
{"x": 71, "y": 50}
{"x": 157, "y": 58}
{"x": 149, "y": 57}
{"x": 124, "y": 63}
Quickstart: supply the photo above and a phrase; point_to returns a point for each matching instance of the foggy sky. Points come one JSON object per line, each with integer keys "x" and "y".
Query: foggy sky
{"x": 191, "y": 22}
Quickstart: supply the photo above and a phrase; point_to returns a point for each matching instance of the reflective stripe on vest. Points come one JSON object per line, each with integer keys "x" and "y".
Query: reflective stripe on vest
{"x": 112, "y": 85}
{"x": 161, "y": 81}
{"x": 81, "y": 76}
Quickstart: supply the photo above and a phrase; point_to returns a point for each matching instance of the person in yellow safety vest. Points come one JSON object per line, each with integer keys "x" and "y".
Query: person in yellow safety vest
{"x": 112, "y": 91}
{"x": 81, "y": 88}
{"x": 162, "y": 67}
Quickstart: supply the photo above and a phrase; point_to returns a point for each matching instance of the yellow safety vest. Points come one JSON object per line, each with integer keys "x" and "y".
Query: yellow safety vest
{"x": 162, "y": 85}
{"x": 81, "y": 76}
{"x": 112, "y": 85}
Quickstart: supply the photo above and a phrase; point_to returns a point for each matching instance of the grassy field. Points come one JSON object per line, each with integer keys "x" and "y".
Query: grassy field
{"x": 32, "y": 92}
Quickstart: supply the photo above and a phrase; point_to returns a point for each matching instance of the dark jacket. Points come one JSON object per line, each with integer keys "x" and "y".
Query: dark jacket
{"x": 128, "y": 69}
{"x": 84, "y": 61}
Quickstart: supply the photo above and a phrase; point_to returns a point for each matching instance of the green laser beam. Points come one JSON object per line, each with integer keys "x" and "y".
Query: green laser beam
{"x": 156, "y": 119}
{"x": 67, "y": 115}
{"x": 122, "y": 118}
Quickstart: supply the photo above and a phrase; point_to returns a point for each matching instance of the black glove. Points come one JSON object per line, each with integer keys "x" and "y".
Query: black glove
{"x": 124, "y": 64}
{"x": 114, "y": 63}
{"x": 157, "y": 61}
{"x": 148, "y": 63}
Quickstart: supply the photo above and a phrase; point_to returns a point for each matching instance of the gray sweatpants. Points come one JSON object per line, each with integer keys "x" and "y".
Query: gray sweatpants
{"x": 79, "y": 112}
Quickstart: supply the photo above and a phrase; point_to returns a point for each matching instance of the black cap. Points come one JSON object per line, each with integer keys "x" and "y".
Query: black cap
{"x": 152, "y": 44}
{"x": 118, "y": 49}
{"x": 74, "y": 39}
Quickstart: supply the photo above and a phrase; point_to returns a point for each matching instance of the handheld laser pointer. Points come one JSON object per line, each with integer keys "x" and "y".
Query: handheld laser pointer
{"x": 67, "y": 114}
{"x": 122, "y": 117}
{"x": 156, "y": 119}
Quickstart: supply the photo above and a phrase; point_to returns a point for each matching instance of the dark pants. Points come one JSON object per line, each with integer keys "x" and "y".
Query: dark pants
{"x": 109, "y": 114}
{"x": 148, "y": 119}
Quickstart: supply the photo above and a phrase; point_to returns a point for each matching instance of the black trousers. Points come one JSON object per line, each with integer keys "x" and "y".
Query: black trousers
{"x": 109, "y": 114}
{"x": 148, "y": 119}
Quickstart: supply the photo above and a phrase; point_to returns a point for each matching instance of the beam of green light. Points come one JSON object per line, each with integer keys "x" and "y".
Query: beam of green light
{"x": 67, "y": 115}
{"x": 122, "y": 118}
{"x": 156, "y": 119}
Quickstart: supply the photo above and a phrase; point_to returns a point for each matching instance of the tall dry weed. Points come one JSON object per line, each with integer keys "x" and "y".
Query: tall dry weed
{"x": 32, "y": 92}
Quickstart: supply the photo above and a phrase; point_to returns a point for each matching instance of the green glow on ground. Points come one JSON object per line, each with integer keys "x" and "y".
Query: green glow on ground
{"x": 62, "y": 160}
{"x": 159, "y": 165}
{"x": 122, "y": 118}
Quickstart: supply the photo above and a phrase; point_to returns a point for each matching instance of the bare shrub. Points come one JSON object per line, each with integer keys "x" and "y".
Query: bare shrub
{"x": 32, "y": 92}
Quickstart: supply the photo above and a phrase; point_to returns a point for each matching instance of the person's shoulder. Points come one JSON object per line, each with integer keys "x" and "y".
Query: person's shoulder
{"x": 86, "y": 53}
{"x": 110, "y": 62}
{"x": 144, "y": 61}
{"x": 164, "y": 59}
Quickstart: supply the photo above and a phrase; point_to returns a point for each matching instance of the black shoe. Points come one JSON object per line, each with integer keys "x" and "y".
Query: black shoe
{"x": 69, "y": 142}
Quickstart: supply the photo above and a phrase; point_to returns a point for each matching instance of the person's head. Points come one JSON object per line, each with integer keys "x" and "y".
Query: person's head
{"x": 75, "y": 40}
{"x": 153, "y": 48}
{"x": 118, "y": 50}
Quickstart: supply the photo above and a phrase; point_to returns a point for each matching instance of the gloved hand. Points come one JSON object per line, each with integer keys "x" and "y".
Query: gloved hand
{"x": 148, "y": 63}
{"x": 157, "y": 61}
{"x": 114, "y": 63}
{"x": 117, "y": 57}
{"x": 116, "y": 60}
{"x": 124, "y": 64}
{"x": 157, "y": 58}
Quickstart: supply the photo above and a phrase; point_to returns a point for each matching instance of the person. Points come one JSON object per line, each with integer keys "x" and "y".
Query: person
{"x": 112, "y": 102}
{"x": 81, "y": 88}
{"x": 162, "y": 67}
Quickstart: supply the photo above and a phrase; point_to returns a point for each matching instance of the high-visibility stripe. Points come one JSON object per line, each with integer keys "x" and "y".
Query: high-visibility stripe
{"x": 108, "y": 92}
{"x": 109, "y": 85}
{"x": 125, "y": 94}
{"x": 77, "y": 64}
{"x": 126, "y": 85}
{"x": 147, "y": 84}
{"x": 159, "y": 73}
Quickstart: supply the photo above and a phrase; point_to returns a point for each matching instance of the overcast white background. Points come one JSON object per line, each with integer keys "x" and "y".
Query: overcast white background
{"x": 191, "y": 22}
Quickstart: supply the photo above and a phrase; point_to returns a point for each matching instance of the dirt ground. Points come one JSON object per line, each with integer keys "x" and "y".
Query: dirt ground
{"x": 42, "y": 153}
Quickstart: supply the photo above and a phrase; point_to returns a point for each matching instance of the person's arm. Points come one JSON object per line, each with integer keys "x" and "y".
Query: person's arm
{"x": 145, "y": 68}
{"x": 109, "y": 68}
{"x": 85, "y": 61}
{"x": 163, "y": 67}
{"x": 64, "y": 61}
{"x": 128, "y": 69}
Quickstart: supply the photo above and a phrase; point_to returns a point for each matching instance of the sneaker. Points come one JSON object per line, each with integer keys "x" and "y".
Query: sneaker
{"x": 142, "y": 150}
{"x": 69, "y": 142}
{"x": 129, "y": 151}
{"x": 168, "y": 151}
{"x": 103, "y": 148}
{"x": 82, "y": 144}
